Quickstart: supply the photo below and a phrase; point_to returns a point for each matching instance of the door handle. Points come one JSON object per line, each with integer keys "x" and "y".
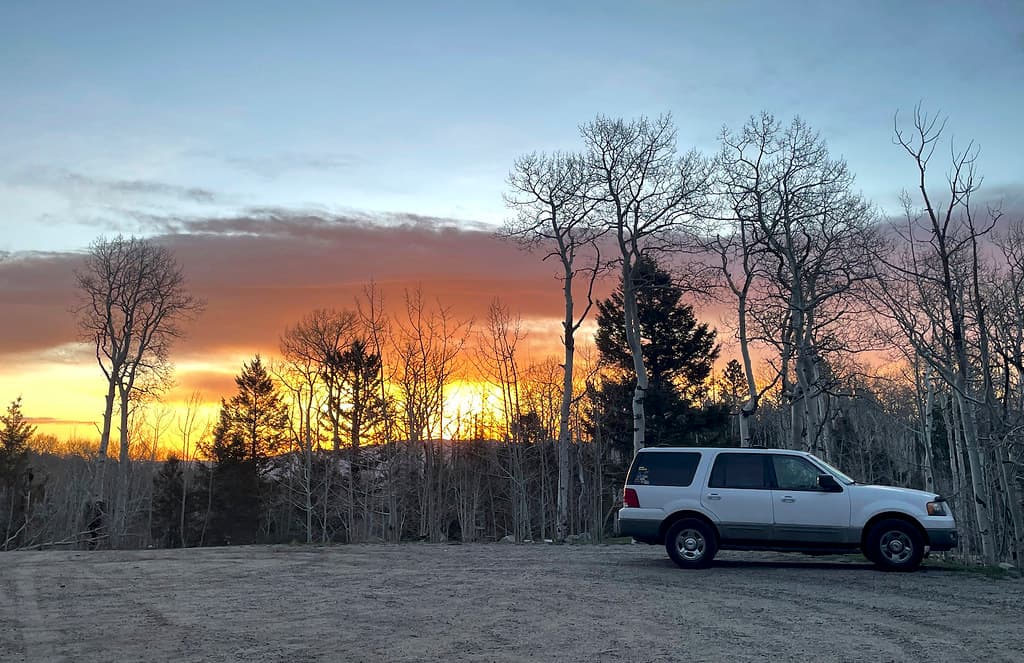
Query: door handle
{"x": 714, "y": 496}
{"x": 788, "y": 498}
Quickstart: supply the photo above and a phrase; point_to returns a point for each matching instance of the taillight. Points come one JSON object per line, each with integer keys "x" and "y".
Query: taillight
{"x": 630, "y": 499}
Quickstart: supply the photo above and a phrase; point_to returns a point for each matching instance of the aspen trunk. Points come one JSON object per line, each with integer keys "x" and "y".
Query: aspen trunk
{"x": 99, "y": 482}
{"x": 978, "y": 486}
{"x": 750, "y": 406}
{"x": 956, "y": 455}
{"x": 929, "y": 409}
{"x": 562, "y": 499}
{"x": 1013, "y": 500}
{"x": 632, "y": 326}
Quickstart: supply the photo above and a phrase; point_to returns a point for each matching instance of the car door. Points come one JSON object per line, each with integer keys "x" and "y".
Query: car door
{"x": 738, "y": 493}
{"x": 803, "y": 512}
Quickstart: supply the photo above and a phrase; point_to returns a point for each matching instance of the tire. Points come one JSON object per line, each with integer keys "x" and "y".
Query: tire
{"x": 691, "y": 543}
{"x": 895, "y": 545}
{"x": 870, "y": 554}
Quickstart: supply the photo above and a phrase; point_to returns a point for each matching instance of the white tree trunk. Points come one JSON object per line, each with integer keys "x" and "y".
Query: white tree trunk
{"x": 562, "y": 499}
{"x": 750, "y": 406}
{"x": 99, "y": 482}
{"x": 969, "y": 429}
{"x": 928, "y": 425}
{"x": 632, "y": 322}
{"x": 1013, "y": 499}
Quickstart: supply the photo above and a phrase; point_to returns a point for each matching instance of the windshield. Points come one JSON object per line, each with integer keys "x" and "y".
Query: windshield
{"x": 842, "y": 477}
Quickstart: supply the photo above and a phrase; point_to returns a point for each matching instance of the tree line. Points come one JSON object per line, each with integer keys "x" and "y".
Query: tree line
{"x": 888, "y": 346}
{"x": 349, "y": 436}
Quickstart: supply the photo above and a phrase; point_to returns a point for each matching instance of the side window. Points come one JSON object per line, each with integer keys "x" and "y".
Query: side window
{"x": 739, "y": 470}
{"x": 664, "y": 469}
{"x": 795, "y": 473}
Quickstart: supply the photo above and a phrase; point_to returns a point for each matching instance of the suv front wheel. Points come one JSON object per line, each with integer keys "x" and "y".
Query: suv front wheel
{"x": 895, "y": 545}
{"x": 691, "y": 543}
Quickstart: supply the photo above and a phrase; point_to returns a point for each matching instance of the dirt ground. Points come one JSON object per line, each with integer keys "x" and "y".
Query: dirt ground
{"x": 419, "y": 602}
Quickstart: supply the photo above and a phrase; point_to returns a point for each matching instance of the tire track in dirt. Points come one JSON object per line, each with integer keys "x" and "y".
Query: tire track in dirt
{"x": 12, "y": 644}
{"x": 486, "y": 602}
{"x": 858, "y": 609}
{"x": 37, "y": 636}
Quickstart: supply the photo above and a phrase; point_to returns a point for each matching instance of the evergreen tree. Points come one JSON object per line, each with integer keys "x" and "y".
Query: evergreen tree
{"x": 14, "y": 438}
{"x": 734, "y": 385}
{"x": 227, "y": 490}
{"x": 733, "y": 394}
{"x": 358, "y": 400}
{"x": 679, "y": 353}
{"x": 257, "y": 415}
{"x": 14, "y": 472}
{"x": 251, "y": 431}
{"x": 168, "y": 486}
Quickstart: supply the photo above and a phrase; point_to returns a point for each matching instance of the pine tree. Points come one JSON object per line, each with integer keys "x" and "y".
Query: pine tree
{"x": 358, "y": 399}
{"x": 14, "y": 470}
{"x": 258, "y": 415}
{"x": 679, "y": 353}
{"x": 227, "y": 490}
{"x": 14, "y": 438}
{"x": 168, "y": 485}
{"x": 251, "y": 431}
{"x": 734, "y": 384}
{"x": 732, "y": 395}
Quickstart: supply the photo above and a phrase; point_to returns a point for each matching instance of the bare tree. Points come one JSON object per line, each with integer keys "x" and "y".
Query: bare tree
{"x": 499, "y": 363}
{"x": 427, "y": 343}
{"x": 192, "y": 432}
{"x": 930, "y": 292}
{"x": 300, "y": 377}
{"x": 133, "y": 301}
{"x": 731, "y": 238}
{"x": 648, "y": 195}
{"x": 319, "y": 339}
{"x": 377, "y": 325}
{"x": 1005, "y": 298}
{"x": 554, "y": 214}
{"x": 157, "y": 419}
{"x": 793, "y": 246}
{"x": 317, "y": 343}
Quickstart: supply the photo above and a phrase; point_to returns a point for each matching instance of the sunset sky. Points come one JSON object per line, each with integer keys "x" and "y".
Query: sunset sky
{"x": 290, "y": 152}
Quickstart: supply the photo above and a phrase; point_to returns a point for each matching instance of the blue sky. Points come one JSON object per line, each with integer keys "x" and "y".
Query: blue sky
{"x": 115, "y": 113}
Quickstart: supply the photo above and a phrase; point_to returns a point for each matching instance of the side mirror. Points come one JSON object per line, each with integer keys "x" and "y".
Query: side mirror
{"x": 828, "y": 483}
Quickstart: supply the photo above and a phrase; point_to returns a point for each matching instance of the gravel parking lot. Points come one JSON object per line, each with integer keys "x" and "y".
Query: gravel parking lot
{"x": 492, "y": 602}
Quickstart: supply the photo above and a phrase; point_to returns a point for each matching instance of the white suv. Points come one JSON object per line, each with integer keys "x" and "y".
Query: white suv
{"x": 698, "y": 501}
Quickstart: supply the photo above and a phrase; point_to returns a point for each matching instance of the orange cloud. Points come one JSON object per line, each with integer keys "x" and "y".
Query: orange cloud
{"x": 258, "y": 275}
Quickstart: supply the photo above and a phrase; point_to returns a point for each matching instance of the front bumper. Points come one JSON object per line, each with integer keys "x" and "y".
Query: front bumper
{"x": 942, "y": 539}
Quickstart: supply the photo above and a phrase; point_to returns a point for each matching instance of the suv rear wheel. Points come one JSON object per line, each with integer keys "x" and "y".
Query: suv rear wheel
{"x": 895, "y": 545}
{"x": 691, "y": 543}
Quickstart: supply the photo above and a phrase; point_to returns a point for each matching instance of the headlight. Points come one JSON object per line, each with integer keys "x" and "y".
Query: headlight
{"x": 937, "y": 509}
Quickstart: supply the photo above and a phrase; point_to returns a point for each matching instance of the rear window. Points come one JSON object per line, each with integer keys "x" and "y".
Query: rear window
{"x": 664, "y": 469}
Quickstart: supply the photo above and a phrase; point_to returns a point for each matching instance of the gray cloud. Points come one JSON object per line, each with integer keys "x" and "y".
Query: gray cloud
{"x": 72, "y": 183}
{"x": 290, "y": 222}
{"x": 275, "y": 165}
{"x": 1007, "y": 197}
{"x": 1005, "y": 200}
